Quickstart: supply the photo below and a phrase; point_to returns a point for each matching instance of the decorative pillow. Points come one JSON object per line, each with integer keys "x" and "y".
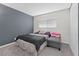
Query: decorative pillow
{"x": 37, "y": 32}
{"x": 47, "y": 33}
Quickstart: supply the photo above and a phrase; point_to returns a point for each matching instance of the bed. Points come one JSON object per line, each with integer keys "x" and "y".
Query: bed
{"x": 31, "y": 43}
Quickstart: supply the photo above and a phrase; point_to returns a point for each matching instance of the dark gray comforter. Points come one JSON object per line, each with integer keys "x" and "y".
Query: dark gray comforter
{"x": 36, "y": 40}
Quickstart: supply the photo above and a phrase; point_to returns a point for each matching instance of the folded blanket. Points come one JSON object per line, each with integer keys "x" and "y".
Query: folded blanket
{"x": 55, "y": 34}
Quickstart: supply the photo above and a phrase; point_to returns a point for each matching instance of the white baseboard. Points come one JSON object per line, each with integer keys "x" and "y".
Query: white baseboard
{"x": 7, "y": 44}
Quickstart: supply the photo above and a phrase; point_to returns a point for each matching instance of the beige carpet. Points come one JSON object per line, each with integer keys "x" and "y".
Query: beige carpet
{"x": 13, "y": 50}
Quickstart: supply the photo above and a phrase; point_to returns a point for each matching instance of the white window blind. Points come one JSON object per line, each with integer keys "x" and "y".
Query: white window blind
{"x": 47, "y": 23}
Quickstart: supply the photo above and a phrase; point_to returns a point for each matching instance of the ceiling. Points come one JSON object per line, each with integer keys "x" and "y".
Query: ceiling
{"x": 35, "y": 9}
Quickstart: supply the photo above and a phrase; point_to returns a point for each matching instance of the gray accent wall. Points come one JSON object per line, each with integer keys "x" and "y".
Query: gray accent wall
{"x": 13, "y": 23}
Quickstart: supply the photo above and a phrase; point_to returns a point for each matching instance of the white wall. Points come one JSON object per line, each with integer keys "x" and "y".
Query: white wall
{"x": 74, "y": 28}
{"x": 62, "y": 23}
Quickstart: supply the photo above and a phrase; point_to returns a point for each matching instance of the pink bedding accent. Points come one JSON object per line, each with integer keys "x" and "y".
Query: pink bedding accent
{"x": 55, "y": 34}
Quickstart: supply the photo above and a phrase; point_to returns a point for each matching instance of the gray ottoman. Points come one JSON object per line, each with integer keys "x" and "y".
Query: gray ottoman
{"x": 54, "y": 42}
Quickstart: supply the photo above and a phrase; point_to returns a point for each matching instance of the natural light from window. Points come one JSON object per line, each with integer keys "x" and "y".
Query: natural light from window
{"x": 47, "y": 23}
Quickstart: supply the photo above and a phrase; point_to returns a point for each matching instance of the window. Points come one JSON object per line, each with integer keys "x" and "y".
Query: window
{"x": 47, "y": 23}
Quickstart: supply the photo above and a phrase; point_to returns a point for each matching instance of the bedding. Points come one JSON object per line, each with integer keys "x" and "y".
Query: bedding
{"x": 35, "y": 40}
{"x": 46, "y": 36}
{"x": 27, "y": 47}
{"x": 30, "y": 48}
